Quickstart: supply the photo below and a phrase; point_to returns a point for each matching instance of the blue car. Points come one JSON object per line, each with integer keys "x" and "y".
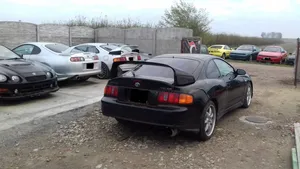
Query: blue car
{"x": 245, "y": 52}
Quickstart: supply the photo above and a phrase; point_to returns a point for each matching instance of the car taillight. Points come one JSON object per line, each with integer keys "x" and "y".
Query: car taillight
{"x": 77, "y": 59}
{"x": 120, "y": 59}
{"x": 139, "y": 57}
{"x": 96, "y": 57}
{"x": 174, "y": 98}
{"x": 111, "y": 91}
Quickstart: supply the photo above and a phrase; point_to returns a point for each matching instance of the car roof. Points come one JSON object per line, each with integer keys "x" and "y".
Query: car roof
{"x": 217, "y": 45}
{"x": 273, "y": 46}
{"x": 41, "y": 43}
{"x": 199, "y": 57}
{"x": 97, "y": 44}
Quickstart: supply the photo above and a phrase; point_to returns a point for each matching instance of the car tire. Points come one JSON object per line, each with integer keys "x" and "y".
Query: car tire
{"x": 250, "y": 58}
{"x": 105, "y": 72}
{"x": 224, "y": 56}
{"x": 248, "y": 96}
{"x": 208, "y": 121}
{"x": 281, "y": 62}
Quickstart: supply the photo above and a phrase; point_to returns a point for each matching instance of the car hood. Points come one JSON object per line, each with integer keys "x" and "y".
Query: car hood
{"x": 291, "y": 56}
{"x": 269, "y": 53}
{"x": 241, "y": 52}
{"x": 22, "y": 68}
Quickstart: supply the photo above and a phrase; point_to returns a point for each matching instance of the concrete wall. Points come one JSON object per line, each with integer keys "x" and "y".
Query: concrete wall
{"x": 14, "y": 33}
{"x": 82, "y": 34}
{"x": 168, "y": 40}
{"x": 144, "y": 37}
{"x": 110, "y": 35}
{"x": 54, "y": 33}
{"x": 150, "y": 40}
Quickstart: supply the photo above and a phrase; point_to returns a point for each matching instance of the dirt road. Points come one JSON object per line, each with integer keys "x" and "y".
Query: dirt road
{"x": 95, "y": 141}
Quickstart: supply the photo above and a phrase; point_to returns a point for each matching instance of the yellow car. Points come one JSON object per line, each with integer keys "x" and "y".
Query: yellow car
{"x": 220, "y": 50}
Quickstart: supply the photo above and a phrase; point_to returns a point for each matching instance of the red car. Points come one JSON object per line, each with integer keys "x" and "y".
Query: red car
{"x": 273, "y": 54}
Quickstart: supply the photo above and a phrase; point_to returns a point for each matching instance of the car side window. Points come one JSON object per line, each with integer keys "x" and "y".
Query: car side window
{"x": 93, "y": 49}
{"x": 227, "y": 47}
{"x": 224, "y": 67}
{"x": 24, "y": 49}
{"x": 212, "y": 71}
{"x": 81, "y": 48}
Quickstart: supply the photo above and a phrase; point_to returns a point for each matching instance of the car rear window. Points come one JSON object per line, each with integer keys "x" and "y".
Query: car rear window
{"x": 108, "y": 47}
{"x": 186, "y": 65}
{"x": 216, "y": 47}
{"x": 272, "y": 49}
{"x": 58, "y": 48}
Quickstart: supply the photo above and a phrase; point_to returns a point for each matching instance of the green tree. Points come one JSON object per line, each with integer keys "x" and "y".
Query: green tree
{"x": 186, "y": 15}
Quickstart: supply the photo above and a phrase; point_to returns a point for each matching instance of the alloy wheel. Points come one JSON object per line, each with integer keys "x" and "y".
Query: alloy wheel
{"x": 210, "y": 120}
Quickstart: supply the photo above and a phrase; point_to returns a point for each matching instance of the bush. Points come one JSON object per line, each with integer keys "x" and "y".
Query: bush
{"x": 237, "y": 40}
{"x": 100, "y": 22}
{"x": 207, "y": 38}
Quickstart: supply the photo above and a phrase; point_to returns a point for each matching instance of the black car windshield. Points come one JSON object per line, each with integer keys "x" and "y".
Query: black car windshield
{"x": 186, "y": 65}
{"x": 245, "y": 47}
{"x": 272, "y": 49}
{"x": 58, "y": 48}
{"x": 7, "y": 54}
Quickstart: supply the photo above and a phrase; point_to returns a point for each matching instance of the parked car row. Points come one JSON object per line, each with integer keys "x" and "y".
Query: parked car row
{"x": 271, "y": 54}
{"x": 33, "y": 68}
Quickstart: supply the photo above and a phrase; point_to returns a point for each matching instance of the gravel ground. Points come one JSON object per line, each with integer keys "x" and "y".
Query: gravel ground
{"x": 95, "y": 141}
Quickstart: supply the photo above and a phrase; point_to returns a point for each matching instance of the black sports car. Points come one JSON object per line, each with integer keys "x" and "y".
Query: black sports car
{"x": 21, "y": 78}
{"x": 180, "y": 91}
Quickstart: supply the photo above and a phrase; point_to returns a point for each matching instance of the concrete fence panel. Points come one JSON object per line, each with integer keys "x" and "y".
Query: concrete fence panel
{"x": 54, "y": 33}
{"x": 143, "y": 37}
{"x": 14, "y": 33}
{"x": 168, "y": 40}
{"x": 82, "y": 34}
{"x": 110, "y": 35}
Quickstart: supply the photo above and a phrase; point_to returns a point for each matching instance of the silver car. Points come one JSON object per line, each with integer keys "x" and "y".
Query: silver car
{"x": 109, "y": 53}
{"x": 68, "y": 65}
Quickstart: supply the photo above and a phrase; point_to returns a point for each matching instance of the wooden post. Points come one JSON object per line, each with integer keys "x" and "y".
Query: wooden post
{"x": 297, "y": 63}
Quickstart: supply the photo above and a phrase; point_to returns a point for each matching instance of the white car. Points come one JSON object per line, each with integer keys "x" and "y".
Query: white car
{"x": 109, "y": 53}
{"x": 77, "y": 65}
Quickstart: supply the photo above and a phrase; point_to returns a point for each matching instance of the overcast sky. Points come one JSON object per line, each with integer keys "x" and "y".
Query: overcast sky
{"x": 244, "y": 17}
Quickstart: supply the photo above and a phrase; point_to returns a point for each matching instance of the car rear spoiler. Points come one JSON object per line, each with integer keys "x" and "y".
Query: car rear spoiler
{"x": 181, "y": 78}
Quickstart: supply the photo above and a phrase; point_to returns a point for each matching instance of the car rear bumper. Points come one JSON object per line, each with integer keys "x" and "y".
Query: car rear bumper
{"x": 23, "y": 90}
{"x": 78, "y": 74}
{"x": 268, "y": 59}
{"x": 182, "y": 118}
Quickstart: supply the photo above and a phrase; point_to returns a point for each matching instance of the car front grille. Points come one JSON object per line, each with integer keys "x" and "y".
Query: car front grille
{"x": 36, "y": 78}
{"x": 36, "y": 87}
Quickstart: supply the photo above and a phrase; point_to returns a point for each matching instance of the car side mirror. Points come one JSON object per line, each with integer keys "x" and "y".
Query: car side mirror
{"x": 290, "y": 53}
{"x": 150, "y": 54}
{"x": 282, "y": 51}
{"x": 240, "y": 72}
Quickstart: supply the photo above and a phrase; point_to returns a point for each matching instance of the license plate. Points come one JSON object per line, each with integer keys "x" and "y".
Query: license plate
{"x": 90, "y": 66}
{"x": 131, "y": 59}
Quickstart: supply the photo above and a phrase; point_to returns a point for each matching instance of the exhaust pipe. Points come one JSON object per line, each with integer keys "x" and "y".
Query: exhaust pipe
{"x": 174, "y": 132}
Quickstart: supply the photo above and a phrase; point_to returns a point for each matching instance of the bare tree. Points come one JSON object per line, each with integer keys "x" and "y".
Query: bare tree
{"x": 186, "y": 15}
